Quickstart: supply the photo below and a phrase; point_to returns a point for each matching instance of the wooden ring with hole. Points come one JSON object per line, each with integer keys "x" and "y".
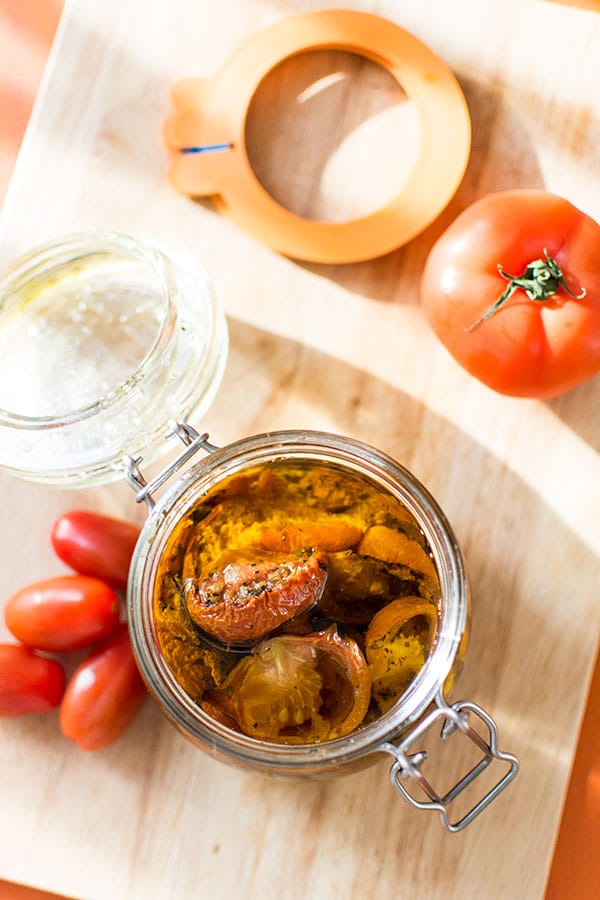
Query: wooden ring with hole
{"x": 206, "y": 137}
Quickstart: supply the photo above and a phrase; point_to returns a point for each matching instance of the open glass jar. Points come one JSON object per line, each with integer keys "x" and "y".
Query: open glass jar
{"x": 104, "y": 338}
{"x": 81, "y": 298}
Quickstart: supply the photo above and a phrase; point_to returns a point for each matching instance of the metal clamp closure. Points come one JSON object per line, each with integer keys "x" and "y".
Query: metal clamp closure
{"x": 193, "y": 442}
{"x": 453, "y": 718}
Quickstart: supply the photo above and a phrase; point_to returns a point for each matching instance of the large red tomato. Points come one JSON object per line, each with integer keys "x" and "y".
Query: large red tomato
{"x": 543, "y": 256}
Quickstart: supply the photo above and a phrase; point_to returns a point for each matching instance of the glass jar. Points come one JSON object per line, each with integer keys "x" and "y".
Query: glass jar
{"x": 122, "y": 339}
{"x": 421, "y": 703}
{"x": 104, "y": 338}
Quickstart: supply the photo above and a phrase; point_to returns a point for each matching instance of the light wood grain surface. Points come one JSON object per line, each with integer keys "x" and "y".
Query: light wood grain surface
{"x": 344, "y": 349}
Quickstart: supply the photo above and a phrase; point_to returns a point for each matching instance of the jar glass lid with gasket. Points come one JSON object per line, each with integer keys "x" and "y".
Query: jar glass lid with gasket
{"x": 104, "y": 338}
{"x": 298, "y": 602}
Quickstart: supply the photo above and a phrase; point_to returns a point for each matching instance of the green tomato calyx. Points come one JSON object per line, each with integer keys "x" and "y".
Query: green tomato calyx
{"x": 540, "y": 281}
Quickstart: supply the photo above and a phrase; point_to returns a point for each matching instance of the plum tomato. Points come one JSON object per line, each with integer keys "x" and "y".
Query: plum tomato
{"x": 299, "y": 689}
{"x": 397, "y": 644}
{"x": 28, "y": 683}
{"x": 512, "y": 289}
{"x": 63, "y": 613}
{"x": 104, "y": 694}
{"x": 95, "y": 545}
{"x": 245, "y": 598}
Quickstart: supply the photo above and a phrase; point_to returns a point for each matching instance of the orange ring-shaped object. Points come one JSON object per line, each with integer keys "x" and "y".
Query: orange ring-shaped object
{"x": 211, "y": 114}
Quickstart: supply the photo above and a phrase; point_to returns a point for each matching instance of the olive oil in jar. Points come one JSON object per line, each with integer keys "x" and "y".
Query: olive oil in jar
{"x": 296, "y": 601}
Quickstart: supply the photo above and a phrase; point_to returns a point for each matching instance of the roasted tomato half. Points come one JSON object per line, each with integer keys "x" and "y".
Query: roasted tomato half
{"x": 397, "y": 644}
{"x": 248, "y": 597}
{"x": 298, "y": 690}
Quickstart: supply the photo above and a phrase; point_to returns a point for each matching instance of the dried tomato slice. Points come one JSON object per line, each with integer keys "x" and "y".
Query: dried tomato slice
{"x": 299, "y": 690}
{"x": 397, "y": 643}
{"x": 248, "y": 598}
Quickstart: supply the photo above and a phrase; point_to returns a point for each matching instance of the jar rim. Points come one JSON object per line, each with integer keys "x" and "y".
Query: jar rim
{"x": 234, "y": 458}
{"x": 85, "y": 244}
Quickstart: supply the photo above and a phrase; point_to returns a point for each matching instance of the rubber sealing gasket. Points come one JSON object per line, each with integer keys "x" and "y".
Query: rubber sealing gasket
{"x": 206, "y": 137}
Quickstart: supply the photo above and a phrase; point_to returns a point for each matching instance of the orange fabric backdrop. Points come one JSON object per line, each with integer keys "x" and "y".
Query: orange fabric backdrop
{"x": 26, "y": 31}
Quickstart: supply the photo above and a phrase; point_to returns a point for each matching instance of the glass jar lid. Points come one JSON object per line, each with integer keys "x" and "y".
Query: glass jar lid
{"x": 104, "y": 338}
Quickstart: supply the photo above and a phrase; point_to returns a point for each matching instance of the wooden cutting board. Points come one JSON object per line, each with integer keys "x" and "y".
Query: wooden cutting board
{"x": 344, "y": 349}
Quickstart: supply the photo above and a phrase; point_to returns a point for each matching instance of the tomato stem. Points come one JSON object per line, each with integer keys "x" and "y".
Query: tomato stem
{"x": 540, "y": 281}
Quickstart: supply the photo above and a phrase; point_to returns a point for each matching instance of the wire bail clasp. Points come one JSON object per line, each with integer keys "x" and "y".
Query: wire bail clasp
{"x": 453, "y": 718}
{"x": 192, "y": 440}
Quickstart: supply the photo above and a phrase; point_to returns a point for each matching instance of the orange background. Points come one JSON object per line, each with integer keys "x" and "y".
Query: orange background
{"x": 26, "y": 31}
